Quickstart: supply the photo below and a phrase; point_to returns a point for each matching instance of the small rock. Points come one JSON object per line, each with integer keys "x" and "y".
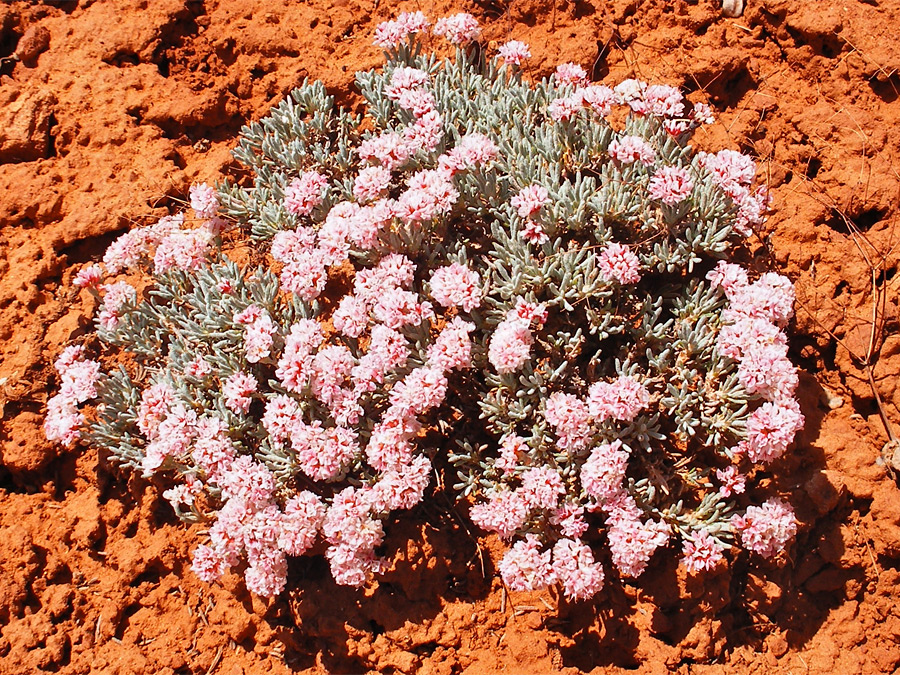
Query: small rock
{"x": 25, "y": 126}
{"x": 35, "y": 41}
{"x": 778, "y": 646}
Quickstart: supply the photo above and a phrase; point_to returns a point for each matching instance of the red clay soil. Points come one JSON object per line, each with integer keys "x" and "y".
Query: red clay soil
{"x": 110, "y": 109}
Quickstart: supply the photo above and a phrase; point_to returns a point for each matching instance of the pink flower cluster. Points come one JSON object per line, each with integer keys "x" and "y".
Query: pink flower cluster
{"x": 766, "y": 529}
{"x": 166, "y": 243}
{"x": 390, "y": 34}
{"x": 734, "y": 172}
{"x": 458, "y": 29}
{"x": 753, "y": 336}
{"x": 258, "y": 333}
{"x": 671, "y": 185}
{"x": 304, "y": 193}
{"x": 617, "y": 262}
{"x": 631, "y": 149}
{"x": 456, "y": 286}
{"x": 528, "y": 202}
{"x": 510, "y": 344}
{"x": 514, "y": 52}
{"x": 79, "y": 379}
{"x": 571, "y": 563}
{"x": 598, "y": 99}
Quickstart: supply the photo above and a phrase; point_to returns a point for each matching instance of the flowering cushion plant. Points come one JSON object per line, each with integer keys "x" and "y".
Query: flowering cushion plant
{"x": 475, "y": 248}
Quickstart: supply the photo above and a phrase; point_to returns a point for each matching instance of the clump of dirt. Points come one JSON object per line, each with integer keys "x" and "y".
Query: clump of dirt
{"x": 110, "y": 109}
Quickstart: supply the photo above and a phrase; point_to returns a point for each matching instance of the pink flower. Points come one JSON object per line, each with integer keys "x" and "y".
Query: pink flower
{"x": 729, "y": 277}
{"x": 426, "y": 133}
{"x": 79, "y": 380}
{"x": 730, "y": 170}
{"x": 403, "y": 79}
{"x": 603, "y": 474}
{"x": 295, "y": 365}
{"x": 390, "y": 149}
{"x": 512, "y": 446}
{"x": 388, "y": 350}
{"x": 670, "y": 185}
{"x": 456, "y": 286}
{"x": 458, "y": 29}
{"x": 389, "y": 34}
{"x": 598, "y": 98}
{"x": 155, "y": 403}
{"x": 570, "y": 73}
{"x": 430, "y": 194}
{"x": 575, "y": 568}
{"x": 323, "y": 454}
{"x": 204, "y": 200}
{"x": 304, "y": 193}
{"x": 659, "y": 100}
{"x": 303, "y": 517}
{"x": 514, "y": 52}
{"x": 571, "y": 420}
{"x": 771, "y": 429}
{"x": 306, "y": 277}
{"x": 212, "y": 450}
{"x": 248, "y": 481}
{"x": 630, "y": 149}
{"x": 208, "y": 564}
{"x": 530, "y": 200}
{"x": 420, "y": 391}
{"x": 351, "y": 316}
{"x": 237, "y": 391}
{"x": 402, "y": 488}
{"x": 370, "y": 183}
{"x": 565, "y": 108}
{"x": 633, "y": 542}
{"x": 541, "y": 488}
{"x": 767, "y": 529}
{"x": 618, "y": 263}
{"x": 472, "y": 150}
{"x": 88, "y": 277}
{"x": 281, "y": 414}
{"x": 525, "y": 568}
{"x": 504, "y": 512}
{"x": 733, "y": 482}
{"x": 510, "y": 345}
{"x": 393, "y": 271}
{"x": 620, "y": 400}
{"x": 258, "y": 334}
{"x": 569, "y": 518}
{"x": 452, "y": 348}
{"x": 702, "y": 553}
{"x": 63, "y": 421}
{"x": 198, "y": 368}
{"x": 397, "y": 308}
{"x": 534, "y": 233}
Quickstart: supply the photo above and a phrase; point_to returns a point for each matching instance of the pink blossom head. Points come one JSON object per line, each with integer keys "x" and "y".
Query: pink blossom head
{"x": 204, "y": 200}
{"x": 671, "y": 185}
{"x": 631, "y": 149}
{"x": 510, "y": 346}
{"x": 575, "y": 568}
{"x": 701, "y": 553}
{"x": 456, "y": 286}
{"x": 305, "y": 193}
{"x": 767, "y": 529}
{"x": 570, "y": 74}
{"x": 618, "y": 263}
{"x": 514, "y": 52}
{"x": 458, "y": 29}
{"x": 529, "y": 200}
{"x": 525, "y": 567}
{"x": 389, "y": 34}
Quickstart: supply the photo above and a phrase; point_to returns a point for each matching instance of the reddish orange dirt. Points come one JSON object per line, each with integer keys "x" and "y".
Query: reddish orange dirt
{"x": 110, "y": 109}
